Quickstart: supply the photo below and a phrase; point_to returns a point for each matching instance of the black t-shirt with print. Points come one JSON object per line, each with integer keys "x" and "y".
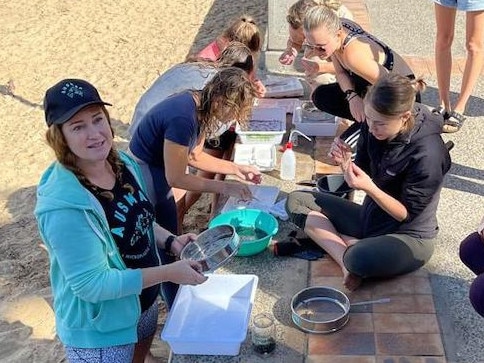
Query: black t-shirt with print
{"x": 130, "y": 216}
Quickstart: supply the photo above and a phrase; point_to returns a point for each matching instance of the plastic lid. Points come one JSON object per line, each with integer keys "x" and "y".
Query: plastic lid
{"x": 289, "y": 145}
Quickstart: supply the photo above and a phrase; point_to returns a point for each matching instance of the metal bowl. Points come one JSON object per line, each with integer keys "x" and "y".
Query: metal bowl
{"x": 335, "y": 185}
{"x": 213, "y": 247}
{"x": 320, "y": 309}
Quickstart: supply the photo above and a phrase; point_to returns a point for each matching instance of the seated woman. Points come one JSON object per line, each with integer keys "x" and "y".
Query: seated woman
{"x": 195, "y": 75}
{"x": 400, "y": 164}
{"x": 471, "y": 253}
{"x": 359, "y": 60}
{"x": 171, "y": 137}
{"x": 95, "y": 219}
{"x": 318, "y": 71}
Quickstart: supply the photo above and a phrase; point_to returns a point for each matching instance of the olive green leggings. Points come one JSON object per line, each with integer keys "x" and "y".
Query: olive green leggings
{"x": 377, "y": 256}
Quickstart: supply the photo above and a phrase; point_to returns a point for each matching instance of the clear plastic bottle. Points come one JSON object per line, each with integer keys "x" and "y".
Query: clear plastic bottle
{"x": 288, "y": 163}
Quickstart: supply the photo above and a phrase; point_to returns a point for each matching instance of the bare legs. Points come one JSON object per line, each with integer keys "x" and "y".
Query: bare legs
{"x": 186, "y": 199}
{"x": 322, "y": 231}
{"x": 445, "y": 20}
{"x": 142, "y": 352}
{"x": 475, "y": 57}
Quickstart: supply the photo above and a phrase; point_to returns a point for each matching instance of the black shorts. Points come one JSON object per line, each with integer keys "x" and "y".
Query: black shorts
{"x": 223, "y": 142}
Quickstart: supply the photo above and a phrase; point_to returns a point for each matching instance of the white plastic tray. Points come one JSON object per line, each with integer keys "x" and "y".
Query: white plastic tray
{"x": 325, "y": 127}
{"x": 211, "y": 318}
{"x": 276, "y": 116}
{"x": 263, "y": 156}
{"x": 282, "y": 86}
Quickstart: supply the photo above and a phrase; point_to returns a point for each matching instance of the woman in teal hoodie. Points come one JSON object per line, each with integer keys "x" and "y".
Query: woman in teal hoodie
{"x": 98, "y": 226}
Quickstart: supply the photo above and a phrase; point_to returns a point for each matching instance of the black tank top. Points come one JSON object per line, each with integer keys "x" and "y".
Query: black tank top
{"x": 130, "y": 216}
{"x": 355, "y": 31}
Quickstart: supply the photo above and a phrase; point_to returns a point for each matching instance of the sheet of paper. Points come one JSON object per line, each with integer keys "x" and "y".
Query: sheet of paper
{"x": 264, "y": 198}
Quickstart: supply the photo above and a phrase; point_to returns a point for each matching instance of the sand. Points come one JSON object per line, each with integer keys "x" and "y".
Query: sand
{"x": 121, "y": 47}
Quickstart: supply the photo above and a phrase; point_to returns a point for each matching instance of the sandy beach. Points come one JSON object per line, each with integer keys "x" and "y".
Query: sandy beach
{"x": 119, "y": 46}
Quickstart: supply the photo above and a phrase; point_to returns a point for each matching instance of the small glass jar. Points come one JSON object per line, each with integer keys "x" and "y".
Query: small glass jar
{"x": 263, "y": 334}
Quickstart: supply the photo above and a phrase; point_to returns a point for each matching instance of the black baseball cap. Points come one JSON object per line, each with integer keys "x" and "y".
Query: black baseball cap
{"x": 67, "y": 97}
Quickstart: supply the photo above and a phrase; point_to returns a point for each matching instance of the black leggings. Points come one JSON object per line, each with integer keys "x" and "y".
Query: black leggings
{"x": 471, "y": 252}
{"x": 376, "y": 256}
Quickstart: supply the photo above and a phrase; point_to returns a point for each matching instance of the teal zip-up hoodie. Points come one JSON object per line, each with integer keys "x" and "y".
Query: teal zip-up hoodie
{"x": 96, "y": 300}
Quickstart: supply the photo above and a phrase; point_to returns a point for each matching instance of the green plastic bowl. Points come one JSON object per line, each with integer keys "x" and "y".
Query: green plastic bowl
{"x": 249, "y": 223}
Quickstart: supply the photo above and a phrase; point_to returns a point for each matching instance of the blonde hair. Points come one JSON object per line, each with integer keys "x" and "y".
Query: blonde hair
{"x": 394, "y": 94}
{"x": 229, "y": 89}
{"x": 297, "y": 11}
{"x": 244, "y": 30}
{"x": 57, "y": 141}
{"x": 322, "y": 16}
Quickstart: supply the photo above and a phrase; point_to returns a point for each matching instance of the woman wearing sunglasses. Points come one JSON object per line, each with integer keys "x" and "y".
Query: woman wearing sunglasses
{"x": 359, "y": 59}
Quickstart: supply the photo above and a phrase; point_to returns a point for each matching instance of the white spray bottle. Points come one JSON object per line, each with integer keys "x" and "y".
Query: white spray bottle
{"x": 288, "y": 159}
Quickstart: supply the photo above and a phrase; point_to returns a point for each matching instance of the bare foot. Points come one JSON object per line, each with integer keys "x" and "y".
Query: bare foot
{"x": 350, "y": 281}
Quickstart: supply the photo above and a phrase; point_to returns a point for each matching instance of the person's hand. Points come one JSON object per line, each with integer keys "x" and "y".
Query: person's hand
{"x": 181, "y": 241}
{"x": 185, "y": 272}
{"x": 357, "y": 108}
{"x": 310, "y": 66}
{"x": 249, "y": 173}
{"x": 480, "y": 229}
{"x": 288, "y": 57}
{"x": 357, "y": 179}
{"x": 340, "y": 152}
{"x": 239, "y": 191}
{"x": 259, "y": 88}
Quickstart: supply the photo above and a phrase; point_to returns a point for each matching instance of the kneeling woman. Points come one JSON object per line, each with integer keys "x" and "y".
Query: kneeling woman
{"x": 400, "y": 164}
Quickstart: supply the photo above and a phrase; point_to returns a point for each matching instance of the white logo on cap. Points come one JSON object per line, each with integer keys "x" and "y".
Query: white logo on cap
{"x": 70, "y": 90}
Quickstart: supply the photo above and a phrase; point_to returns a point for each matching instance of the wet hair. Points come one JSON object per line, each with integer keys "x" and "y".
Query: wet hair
{"x": 237, "y": 55}
{"x": 57, "y": 141}
{"x": 394, "y": 94}
{"x": 297, "y": 11}
{"x": 321, "y": 16}
{"x": 244, "y": 30}
{"x": 230, "y": 89}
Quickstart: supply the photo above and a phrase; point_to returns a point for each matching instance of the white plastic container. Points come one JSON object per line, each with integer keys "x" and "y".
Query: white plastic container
{"x": 327, "y": 125}
{"x": 211, "y": 318}
{"x": 275, "y": 117}
{"x": 263, "y": 156}
{"x": 288, "y": 163}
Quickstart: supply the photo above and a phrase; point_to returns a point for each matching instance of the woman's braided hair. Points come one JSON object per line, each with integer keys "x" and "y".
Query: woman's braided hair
{"x": 56, "y": 140}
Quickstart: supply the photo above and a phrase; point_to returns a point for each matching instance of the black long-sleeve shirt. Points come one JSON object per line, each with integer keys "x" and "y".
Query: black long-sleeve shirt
{"x": 410, "y": 168}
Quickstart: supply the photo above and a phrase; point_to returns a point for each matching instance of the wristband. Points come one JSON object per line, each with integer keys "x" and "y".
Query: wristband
{"x": 348, "y": 99}
{"x": 350, "y": 93}
{"x": 168, "y": 243}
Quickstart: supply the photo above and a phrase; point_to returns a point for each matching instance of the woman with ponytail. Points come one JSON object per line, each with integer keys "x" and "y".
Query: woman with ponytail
{"x": 359, "y": 59}
{"x": 243, "y": 30}
{"x": 400, "y": 164}
{"x": 98, "y": 225}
